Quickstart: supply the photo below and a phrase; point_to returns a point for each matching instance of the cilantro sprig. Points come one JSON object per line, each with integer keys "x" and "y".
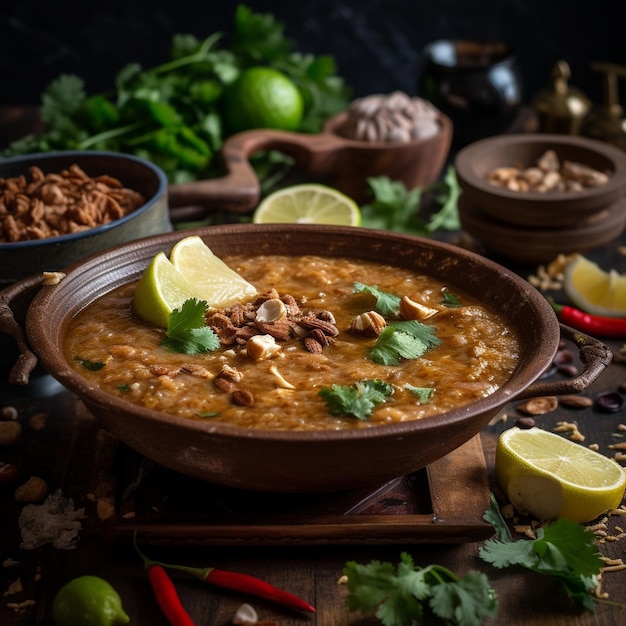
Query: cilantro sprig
{"x": 401, "y": 595}
{"x": 173, "y": 113}
{"x": 358, "y": 400}
{"x": 387, "y": 304}
{"x": 394, "y": 207}
{"x": 563, "y": 549}
{"x": 403, "y": 340}
{"x": 187, "y": 332}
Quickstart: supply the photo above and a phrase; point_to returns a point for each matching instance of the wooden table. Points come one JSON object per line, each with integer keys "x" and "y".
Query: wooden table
{"x": 73, "y": 454}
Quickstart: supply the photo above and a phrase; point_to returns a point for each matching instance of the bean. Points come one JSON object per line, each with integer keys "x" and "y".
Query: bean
{"x": 609, "y": 402}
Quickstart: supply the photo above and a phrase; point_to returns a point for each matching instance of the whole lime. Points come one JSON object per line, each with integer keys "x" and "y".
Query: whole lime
{"x": 88, "y": 600}
{"x": 263, "y": 97}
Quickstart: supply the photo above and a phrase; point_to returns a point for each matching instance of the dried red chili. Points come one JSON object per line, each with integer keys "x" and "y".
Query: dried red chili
{"x": 595, "y": 325}
{"x": 242, "y": 583}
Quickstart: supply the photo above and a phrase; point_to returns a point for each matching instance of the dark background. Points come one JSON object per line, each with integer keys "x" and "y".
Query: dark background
{"x": 376, "y": 43}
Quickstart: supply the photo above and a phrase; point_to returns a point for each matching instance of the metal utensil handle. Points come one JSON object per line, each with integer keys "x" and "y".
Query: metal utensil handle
{"x": 27, "y": 360}
{"x": 595, "y": 356}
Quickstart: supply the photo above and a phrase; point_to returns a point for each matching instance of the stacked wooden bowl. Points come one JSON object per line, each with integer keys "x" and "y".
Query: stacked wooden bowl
{"x": 533, "y": 226}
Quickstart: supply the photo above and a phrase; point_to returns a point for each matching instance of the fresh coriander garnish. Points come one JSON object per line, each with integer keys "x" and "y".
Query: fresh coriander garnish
{"x": 387, "y": 304}
{"x": 123, "y": 388}
{"x": 401, "y": 594}
{"x": 450, "y": 299}
{"x": 563, "y": 549}
{"x": 403, "y": 340}
{"x": 394, "y": 207}
{"x": 423, "y": 393}
{"x": 187, "y": 332}
{"x": 92, "y": 366}
{"x": 358, "y": 400}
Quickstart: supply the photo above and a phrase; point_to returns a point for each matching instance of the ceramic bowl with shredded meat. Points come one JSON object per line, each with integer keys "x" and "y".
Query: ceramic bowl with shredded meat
{"x": 58, "y": 208}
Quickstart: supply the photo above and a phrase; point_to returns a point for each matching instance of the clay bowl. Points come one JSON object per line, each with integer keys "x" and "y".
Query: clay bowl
{"x": 23, "y": 258}
{"x": 320, "y": 461}
{"x": 532, "y": 209}
{"x": 327, "y": 157}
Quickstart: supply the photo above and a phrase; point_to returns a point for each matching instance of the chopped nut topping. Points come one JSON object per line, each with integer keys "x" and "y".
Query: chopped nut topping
{"x": 411, "y": 310}
{"x": 369, "y": 324}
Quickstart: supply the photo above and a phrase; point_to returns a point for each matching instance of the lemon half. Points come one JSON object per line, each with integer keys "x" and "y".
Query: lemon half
{"x": 548, "y": 476}
{"x": 308, "y": 203}
{"x": 594, "y": 290}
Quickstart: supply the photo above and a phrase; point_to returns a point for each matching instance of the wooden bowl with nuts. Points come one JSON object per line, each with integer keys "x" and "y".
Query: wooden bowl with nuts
{"x": 543, "y": 181}
{"x": 404, "y": 138}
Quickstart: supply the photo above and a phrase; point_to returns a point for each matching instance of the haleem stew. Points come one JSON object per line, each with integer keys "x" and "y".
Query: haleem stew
{"x": 325, "y": 343}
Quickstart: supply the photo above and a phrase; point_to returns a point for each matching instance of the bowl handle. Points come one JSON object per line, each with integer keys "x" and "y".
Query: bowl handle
{"x": 595, "y": 356}
{"x": 26, "y": 361}
{"x": 239, "y": 190}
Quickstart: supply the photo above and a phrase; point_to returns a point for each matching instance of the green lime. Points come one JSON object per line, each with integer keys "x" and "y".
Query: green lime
{"x": 263, "y": 97}
{"x": 160, "y": 290}
{"x": 308, "y": 203}
{"x": 88, "y": 600}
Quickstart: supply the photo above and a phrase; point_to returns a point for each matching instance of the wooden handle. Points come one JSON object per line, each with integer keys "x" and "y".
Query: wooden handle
{"x": 239, "y": 190}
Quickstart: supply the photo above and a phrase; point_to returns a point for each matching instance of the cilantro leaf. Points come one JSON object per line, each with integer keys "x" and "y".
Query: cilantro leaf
{"x": 447, "y": 194}
{"x": 468, "y": 601}
{"x": 358, "y": 400}
{"x": 562, "y": 549}
{"x": 187, "y": 332}
{"x": 387, "y": 304}
{"x": 92, "y": 366}
{"x": 423, "y": 393}
{"x": 403, "y": 340}
{"x": 450, "y": 299}
{"x": 400, "y": 595}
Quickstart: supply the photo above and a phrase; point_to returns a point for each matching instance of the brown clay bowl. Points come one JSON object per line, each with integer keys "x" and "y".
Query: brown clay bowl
{"x": 319, "y": 461}
{"x": 327, "y": 157}
{"x": 535, "y": 209}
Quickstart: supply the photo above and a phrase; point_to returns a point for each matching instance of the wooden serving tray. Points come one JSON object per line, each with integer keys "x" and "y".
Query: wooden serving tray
{"x": 443, "y": 503}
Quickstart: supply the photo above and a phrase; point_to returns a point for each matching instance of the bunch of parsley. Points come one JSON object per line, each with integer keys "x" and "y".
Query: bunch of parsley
{"x": 172, "y": 114}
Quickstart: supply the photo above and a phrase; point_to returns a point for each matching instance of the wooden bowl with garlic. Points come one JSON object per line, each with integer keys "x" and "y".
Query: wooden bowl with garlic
{"x": 403, "y": 138}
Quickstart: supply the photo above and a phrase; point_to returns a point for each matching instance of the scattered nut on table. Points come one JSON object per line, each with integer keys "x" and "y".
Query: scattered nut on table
{"x": 10, "y": 433}
{"x": 33, "y": 490}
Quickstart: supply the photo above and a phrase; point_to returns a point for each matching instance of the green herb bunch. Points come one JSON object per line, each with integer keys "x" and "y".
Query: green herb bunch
{"x": 172, "y": 114}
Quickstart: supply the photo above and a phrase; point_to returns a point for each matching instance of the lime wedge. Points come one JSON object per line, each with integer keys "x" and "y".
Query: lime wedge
{"x": 212, "y": 279}
{"x": 161, "y": 289}
{"x": 308, "y": 204}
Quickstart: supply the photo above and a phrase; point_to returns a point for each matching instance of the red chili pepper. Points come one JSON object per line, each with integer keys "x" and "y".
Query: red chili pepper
{"x": 596, "y": 325}
{"x": 239, "y": 582}
{"x": 167, "y": 597}
{"x": 165, "y": 592}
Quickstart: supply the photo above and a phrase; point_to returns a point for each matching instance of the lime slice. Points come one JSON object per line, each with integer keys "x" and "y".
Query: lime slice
{"x": 593, "y": 290}
{"x": 161, "y": 289}
{"x": 308, "y": 204}
{"x": 548, "y": 476}
{"x": 212, "y": 279}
